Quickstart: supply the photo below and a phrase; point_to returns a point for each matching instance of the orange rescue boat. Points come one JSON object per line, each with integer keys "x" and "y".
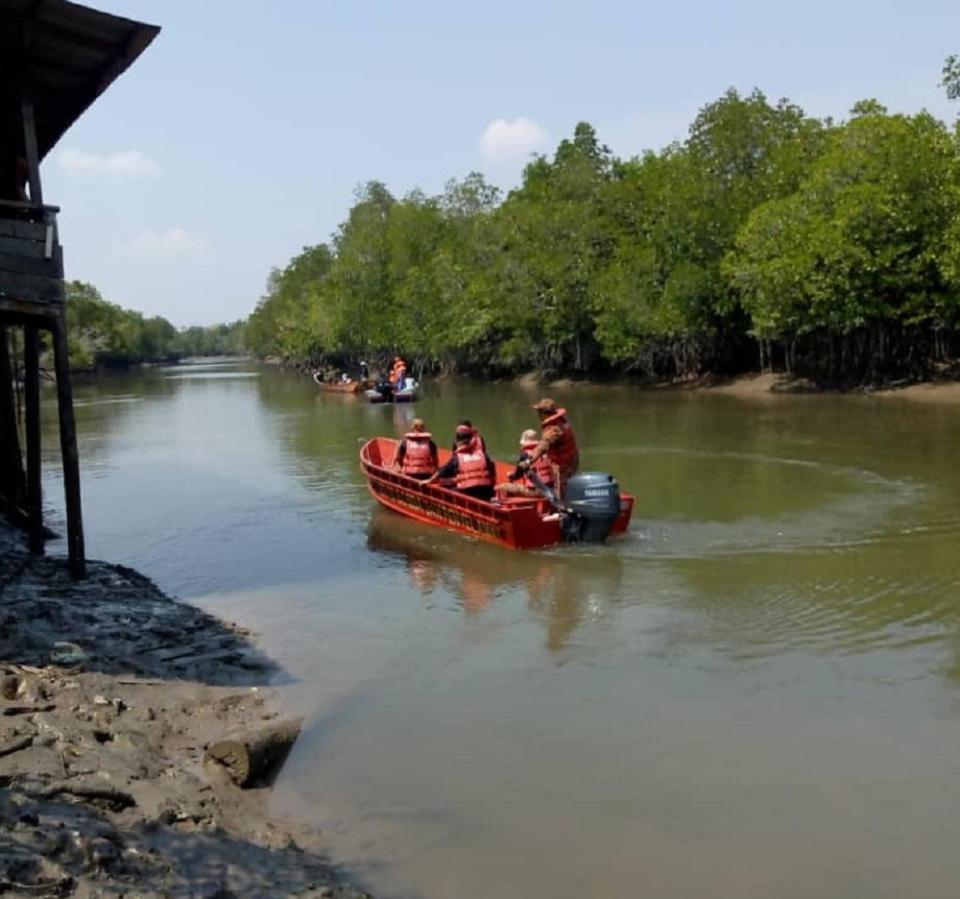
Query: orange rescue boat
{"x": 517, "y": 522}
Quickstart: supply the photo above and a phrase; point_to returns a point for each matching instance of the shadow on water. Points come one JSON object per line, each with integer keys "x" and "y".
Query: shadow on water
{"x": 563, "y": 588}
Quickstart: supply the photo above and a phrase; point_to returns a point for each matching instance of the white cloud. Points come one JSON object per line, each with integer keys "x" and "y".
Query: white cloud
{"x": 169, "y": 244}
{"x": 125, "y": 164}
{"x": 508, "y": 140}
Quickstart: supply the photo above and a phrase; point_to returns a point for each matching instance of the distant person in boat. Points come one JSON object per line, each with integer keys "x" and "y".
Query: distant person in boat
{"x": 417, "y": 453}
{"x": 466, "y": 423}
{"x": 521, "y": 483}
{"x": 557, "y": 441}
{"x": 470, "y": 466}
{"x": 399, "y": 373}
{"x": 364, "y": 371}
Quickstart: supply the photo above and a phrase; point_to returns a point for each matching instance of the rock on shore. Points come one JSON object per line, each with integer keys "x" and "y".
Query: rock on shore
{"x": 109, "y": 693}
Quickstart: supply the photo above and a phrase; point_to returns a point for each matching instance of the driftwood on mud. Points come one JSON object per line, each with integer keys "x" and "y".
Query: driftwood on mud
{"x": 251, "y": 757}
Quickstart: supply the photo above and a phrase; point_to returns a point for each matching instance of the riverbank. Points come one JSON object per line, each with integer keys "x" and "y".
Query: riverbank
{"x": 102, "y": 787}
{"x": 942, "y": 390}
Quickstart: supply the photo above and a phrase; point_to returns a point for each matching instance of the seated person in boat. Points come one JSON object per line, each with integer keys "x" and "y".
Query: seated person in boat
{"x": 417, "y": 454}
{"x": 470, "y": 467}
{"x": 466, "y": 423}
{"x": 521, "y": 483}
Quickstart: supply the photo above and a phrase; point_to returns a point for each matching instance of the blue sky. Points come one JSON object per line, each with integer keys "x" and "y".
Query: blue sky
{"x": 242, "y": 132}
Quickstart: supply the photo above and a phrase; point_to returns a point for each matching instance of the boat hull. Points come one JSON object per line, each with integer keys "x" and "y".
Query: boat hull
{"x": 517, "y": 523}
{"x": 397, "y": 396}
{"x": 340, "y": 386}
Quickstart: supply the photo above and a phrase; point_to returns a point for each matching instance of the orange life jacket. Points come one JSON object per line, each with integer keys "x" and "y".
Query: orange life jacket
{"x": 417, "y": 457}
{"x": 472, "y": 468}
{"x": 565, "y": 454}
{"x": 399, "y": 372}
{"x": 543, "y": 467}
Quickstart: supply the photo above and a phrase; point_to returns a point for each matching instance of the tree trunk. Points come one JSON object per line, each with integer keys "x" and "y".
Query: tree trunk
{"x": 248, "y": 758}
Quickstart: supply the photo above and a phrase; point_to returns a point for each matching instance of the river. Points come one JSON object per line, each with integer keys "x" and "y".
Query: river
{"x": 754, "y": 693}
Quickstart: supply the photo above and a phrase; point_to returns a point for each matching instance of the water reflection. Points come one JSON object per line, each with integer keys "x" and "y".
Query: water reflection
{"x": 563, "y": 588}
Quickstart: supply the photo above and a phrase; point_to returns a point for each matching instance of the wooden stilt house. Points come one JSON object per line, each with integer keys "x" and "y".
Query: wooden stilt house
{"x": 56, "y": 58}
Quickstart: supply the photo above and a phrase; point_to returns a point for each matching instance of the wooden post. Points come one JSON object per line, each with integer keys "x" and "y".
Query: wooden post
{"x": 12, "y": 484}
{"x": 33, "y": 155}
{"x": 68, "y": 447}
{"x": 31, "y": 374}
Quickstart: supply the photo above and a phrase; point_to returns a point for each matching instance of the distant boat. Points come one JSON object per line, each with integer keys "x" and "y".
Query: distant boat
{"x": 350, "y": 386}
{"x": 384, "y": 392}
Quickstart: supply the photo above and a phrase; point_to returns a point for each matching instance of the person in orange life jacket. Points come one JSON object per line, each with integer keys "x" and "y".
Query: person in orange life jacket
{"x": 399, "y": 373}
{"x": 521, "y": 484}
{"x": 466, "y": 423}
{"x": 557, "y": 441}
{"x": 470, "y": 466}
{"x": 417, "y": 454}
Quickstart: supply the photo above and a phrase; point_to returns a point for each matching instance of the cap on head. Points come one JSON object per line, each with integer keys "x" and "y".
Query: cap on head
{"x": 528, "y": 436}
{"x": 417, "y": 425}
{"x": 546, "y": 406}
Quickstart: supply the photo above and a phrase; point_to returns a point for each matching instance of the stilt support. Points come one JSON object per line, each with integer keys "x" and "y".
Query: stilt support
{"x": 68, "y": 448}
{"x": 31, "y": 376}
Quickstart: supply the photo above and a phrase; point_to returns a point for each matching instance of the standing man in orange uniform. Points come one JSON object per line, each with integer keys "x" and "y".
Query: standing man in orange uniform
{"x": 557, "y": 441}
{"x": 399, "y": 373}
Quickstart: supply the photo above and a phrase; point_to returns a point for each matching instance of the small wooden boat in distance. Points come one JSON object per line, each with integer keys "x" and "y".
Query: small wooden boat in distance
{"x": 518, "y": 523}
{"x": 350, "y": 386}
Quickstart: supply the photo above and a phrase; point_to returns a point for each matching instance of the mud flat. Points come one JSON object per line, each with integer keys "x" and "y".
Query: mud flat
{"x": 110, "y": 691}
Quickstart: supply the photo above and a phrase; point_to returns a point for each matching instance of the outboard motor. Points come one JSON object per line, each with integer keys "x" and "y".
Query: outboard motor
{"x": 593, "y": 500}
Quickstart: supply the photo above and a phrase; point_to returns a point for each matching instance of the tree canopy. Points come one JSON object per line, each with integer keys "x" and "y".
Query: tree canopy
{"x": 833, "y": 248}
{"x": 102, "y": 334}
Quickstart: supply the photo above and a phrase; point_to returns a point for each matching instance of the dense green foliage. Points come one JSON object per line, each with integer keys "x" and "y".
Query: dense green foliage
{"x": 830, "y": 248}
{"x": 100, "y": 334}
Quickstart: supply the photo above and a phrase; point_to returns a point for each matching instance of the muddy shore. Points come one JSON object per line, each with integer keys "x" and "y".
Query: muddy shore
{"x": 945, "y": 390}
{"x": 111, "y": 691}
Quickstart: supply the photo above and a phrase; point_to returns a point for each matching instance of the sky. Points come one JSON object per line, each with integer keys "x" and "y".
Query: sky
{"x": 242, "y": 133}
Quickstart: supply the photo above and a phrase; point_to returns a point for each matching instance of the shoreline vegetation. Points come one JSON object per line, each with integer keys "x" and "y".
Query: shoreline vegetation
{"x": 768, "y": 240}
{"x": 110, "y": 692}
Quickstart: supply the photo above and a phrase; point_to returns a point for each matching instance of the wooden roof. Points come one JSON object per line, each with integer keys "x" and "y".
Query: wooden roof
{"x": 69, "y": 54}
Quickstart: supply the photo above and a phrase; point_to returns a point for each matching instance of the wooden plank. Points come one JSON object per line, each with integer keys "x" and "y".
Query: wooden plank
{"x": 24, "y": 230}
{"x": 31, "y": 288}
{"x": 36, "y": 208}
{"x": 68, "y": 449}
{"x": 27, "y": 265}
{"x": 31, "y": 375}
{"x": 17, "y": 312}
{"x": 20, "y": 247}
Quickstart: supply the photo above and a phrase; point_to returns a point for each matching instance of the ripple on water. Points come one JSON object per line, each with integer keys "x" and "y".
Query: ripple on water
{"x": 818, "y": 506}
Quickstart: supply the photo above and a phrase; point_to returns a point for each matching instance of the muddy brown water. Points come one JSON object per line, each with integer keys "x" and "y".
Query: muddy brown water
{"x": 755, "y": 693}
